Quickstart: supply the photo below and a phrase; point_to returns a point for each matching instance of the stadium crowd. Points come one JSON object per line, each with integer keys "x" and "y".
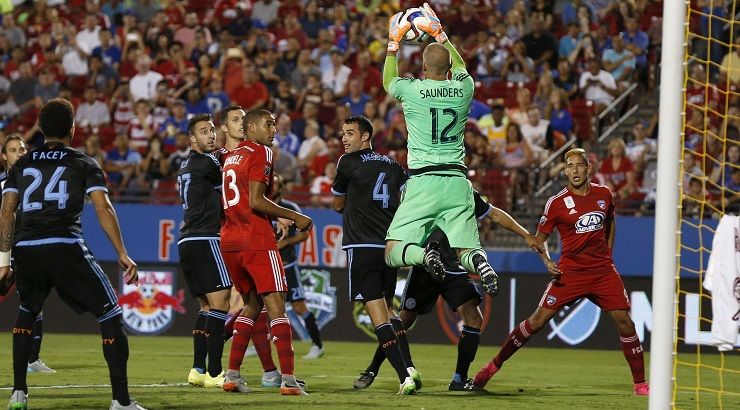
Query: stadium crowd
{"x": 137, "y": 70}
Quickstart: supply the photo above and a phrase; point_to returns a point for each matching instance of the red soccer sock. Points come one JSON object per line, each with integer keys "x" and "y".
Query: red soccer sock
{"x": 261, "y": 341}
{"x": 242, "y": 332}
{"x": 282, "y": 336}
{"x": 632, "y": 349}
{"x": 517, "y": 338}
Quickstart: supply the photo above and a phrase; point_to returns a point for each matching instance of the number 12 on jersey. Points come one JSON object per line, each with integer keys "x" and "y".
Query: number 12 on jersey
{"x": 444, "y": 138}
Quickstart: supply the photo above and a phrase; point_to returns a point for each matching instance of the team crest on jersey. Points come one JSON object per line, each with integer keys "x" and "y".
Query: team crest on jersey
{"x": 601, "y": 203}
{"x": 543, "y": 220}
{"x": 321, "y": 299}
{"x": 267, "y": 170}
{"x": 149, "y": 307}
{"x": 590, "y": 222}
{"x": 551, "y": 300}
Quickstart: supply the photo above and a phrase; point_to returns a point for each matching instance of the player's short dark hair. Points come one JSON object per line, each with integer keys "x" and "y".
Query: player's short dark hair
{"x": 224, "y": 115}
{"x": 11, "y": 137}
{"x": 195, "y": 119}
{"x": 56, "y": 118}
{"x": 253, "y": 116}
{"x": 363, "y": 124}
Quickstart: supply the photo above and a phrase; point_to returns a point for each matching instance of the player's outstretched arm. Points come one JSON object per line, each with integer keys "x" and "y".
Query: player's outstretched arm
{"x": 503, "y": 219}
{"x": 258, "y": 202}
{"x": 434, "y": 29}
{"x": 109, "y": 222}
{"x": 7, "y": 225}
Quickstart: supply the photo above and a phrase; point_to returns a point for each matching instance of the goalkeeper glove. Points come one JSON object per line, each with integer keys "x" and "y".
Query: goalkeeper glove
{"x": 396, "y": 30}
{"x": 434, "y": 28}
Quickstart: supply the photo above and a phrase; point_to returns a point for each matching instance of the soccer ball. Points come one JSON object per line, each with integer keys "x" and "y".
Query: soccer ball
{"x": 414, "y": 35}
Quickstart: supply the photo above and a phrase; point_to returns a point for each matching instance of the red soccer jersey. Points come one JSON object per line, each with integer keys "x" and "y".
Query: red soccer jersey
{"x": 581, "y": 223}
{"x": 617, "y": 176}
{"x": 243, "y": 228}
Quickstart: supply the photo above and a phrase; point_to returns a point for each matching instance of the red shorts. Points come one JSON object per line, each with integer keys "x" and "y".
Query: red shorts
{"x": 605, "y": 289}
{"x": 259, "y": 270}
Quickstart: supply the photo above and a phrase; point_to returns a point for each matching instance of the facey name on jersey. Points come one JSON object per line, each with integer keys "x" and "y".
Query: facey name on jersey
{"x": 49, "y": 155}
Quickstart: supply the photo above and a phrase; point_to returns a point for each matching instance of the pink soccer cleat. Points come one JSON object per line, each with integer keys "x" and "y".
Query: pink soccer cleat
{"x": 642, "y": 389}
{"x": 483, "y": 376}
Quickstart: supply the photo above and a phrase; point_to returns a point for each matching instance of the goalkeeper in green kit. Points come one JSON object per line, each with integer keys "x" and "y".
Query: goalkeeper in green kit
{"x": 438, "y": 194}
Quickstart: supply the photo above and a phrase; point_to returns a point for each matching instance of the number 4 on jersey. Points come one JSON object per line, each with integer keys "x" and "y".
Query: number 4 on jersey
{"x": 50, "y": 194}
{"x": 380, "y": 192}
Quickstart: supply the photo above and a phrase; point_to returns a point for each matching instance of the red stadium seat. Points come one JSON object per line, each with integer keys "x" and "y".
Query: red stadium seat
{"x": 584, "y": 113}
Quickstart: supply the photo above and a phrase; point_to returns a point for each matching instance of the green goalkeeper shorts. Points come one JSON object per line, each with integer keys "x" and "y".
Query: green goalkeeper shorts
{"x": 436, "y": 201}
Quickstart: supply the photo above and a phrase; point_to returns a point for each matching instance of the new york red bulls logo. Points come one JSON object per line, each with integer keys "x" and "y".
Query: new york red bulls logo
{"x": 149, "y": 307}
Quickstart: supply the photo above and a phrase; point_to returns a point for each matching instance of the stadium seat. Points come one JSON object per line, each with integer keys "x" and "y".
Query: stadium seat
{"x": 166, "y": 193}
{"x": 584, "y": 113}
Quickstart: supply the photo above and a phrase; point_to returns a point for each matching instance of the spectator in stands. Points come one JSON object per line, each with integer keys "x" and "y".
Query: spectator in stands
{"x": 731, "y": 193}
{"x": 123, "y": 164}
{"x": 700, "y": 93}
{"x": 285, "y": 164}
{"x": 22, "y": 89}
{"x": 216, "y": 97}
{"x": 586, "y": 20}
{"x": 694, "y": 197}
{"x": 518, "y": 113}
{"x": 372, "y": 80}
{"x": 182, "y": 151}
{"x": 312, "y": 20}
{"x": 311, "y": 92}
{"x": 140, "y": 128}
{"x": 144, "y": 84}
{"x": 538, "y": 134}
{"x": 93, "y": 7}
{"x": 321, "y": 55}
{"x": 74, "y": 55}
{"x": 570, "y": 40}
{"x": 618, "y": 169}
{"x": 515, "y": 25}
{"x": 570, "y": 11}
{"x": 517, "y": 154}
{"x": 92, "y": 149}
{"x": 310, "y": 112}
{"x": 88, "y": 39}
{"x": 101, "y": 76}
{"x": 122, "y": 107}
{"x": 566, "y": 78}
{"x": 518, "y": 67}
{"x": 596, "y": 176}
{"x": 252, "y": 93}
{"x": 175, "y": 123}
{"x": 730, "y": 67}
{"x": 641, "y": 149}
{"x": 598, "y": 85}
{"x": 327, "y": 107}
{"x": 113, "y": 7}
{"x": 620, "y": 63}
{"x": 558, "y": 113}
{"x": 155, "y": 166}
{"x": 466, "y": 23}
{"x": 195, "y": 103}
{"x": 333, "y": 151}
{"x": 46, "y": 88}
{"x": 92, "y": 112}
{"x": 265, "y": 11}
{"x": 175, "y": 68}
{"x": 730, "y": 129}
{"x": 175, "y": 13}
{"x": 14, "y": 33}
{"x": 636, "y": 41}
{"x": 731, "y": 158}
{"x": 186, "y": 33}
{"x": 304, "y": 68}
{"x": 493, "y": 127}
{"x": 146, "y": 9}
{"x": 161, "y": 104}
{"x": 189, "y": 80}
{"x": 545, "y": 85}
{"x": 541, "y": 45}
{"x": 311, "y": 146}
{"x": 272, "y": 70}
{"x": 289, "y": 142}
{"x": 690, "y": 169}
{"x": 200, "y": 47}
{"x": 8, "y": 108}
{"x": 543, "y": 9}
{"x": 284, "y": 101}
{"x": 337, "y": 78}
{"x": 602, "y": 40}
{"x": 356, "y": 99}
{"x": 321, "y": 186}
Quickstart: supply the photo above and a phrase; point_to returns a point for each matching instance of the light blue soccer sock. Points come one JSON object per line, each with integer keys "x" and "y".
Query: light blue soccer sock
{"x": 467, "y": 259}
{"x": 405, "y": 254}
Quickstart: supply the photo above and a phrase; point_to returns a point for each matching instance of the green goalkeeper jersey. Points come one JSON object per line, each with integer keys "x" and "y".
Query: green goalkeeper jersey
{"x": 436, "y": 113}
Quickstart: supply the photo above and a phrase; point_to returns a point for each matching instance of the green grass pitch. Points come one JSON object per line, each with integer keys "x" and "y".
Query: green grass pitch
{"x": 158, "y": 368}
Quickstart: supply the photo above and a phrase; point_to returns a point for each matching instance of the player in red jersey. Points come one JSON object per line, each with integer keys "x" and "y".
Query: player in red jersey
{"x": 249, "y": 246}
{"x": 583, "y": 214}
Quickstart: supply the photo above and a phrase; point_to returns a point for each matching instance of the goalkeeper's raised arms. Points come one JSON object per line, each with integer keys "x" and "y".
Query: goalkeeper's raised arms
{"x": 434, "y": 28}
{"x": 397, "y": 28}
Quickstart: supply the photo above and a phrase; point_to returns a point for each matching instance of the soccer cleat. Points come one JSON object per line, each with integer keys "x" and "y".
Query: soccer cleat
{"x": 115, "y": 405}
{"x": 250, "y": 352}
{"x": 217, "y": 381}
{"x": 415, "y": 376}
{"x": 483, "y": 376}
{"x": 467, "y": 385}
{"x": 39, "y": 367}
{"x": 18, "y": 400}
{"x": 288, "y": 388}
{"x": 642, "y": 389}
{"x": 365, "y": 380}
{"x": 314, "y": 352}
{"x": 433, "y": 262}
{"x": 488, "y": 276}
{"x": 196, "y": 379}
{"x": 276, "y": 381}
{"x": 407, "y": 387}
{"x": 234, "y": 383}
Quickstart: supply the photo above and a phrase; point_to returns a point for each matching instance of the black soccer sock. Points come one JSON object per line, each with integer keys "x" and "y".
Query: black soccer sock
{"x": 215, "y": 341}
{"x": 378, "y": 360}
{"x": 200, "y": 344}
{"x": 115, "y": 350}
{"x": 403, "y": 341}
{"x": 22, "y": 339}
{"x": 388, "y": 341}
{"x": 313, "y": 330}
{"x": 38, "y": 334}
{"x": 467, "y": 346}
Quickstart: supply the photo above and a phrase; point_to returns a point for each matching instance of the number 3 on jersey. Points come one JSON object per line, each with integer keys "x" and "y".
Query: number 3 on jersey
{"x": 55, "y": 189}
{"x": 230, "y": 174}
